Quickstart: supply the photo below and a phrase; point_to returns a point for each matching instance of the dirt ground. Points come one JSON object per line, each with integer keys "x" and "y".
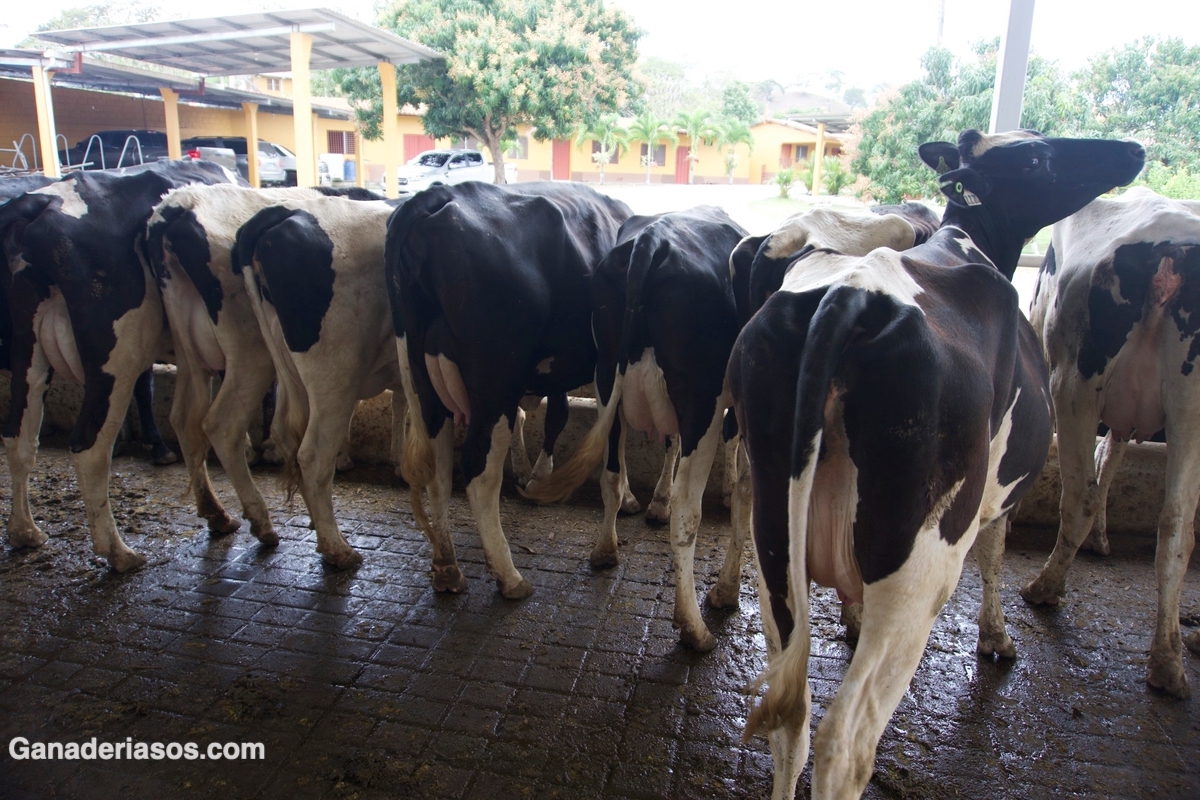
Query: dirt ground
{"x": 368, "y": 684}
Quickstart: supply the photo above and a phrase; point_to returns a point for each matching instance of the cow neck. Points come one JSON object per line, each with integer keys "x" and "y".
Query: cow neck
{"x": 995, "y": 239}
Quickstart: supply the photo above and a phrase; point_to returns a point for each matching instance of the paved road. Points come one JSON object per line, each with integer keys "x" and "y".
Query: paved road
{"x": 368, "y": 684}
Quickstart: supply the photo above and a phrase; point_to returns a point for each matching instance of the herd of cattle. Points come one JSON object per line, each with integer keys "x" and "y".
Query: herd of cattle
{"x": 889, "y": 404}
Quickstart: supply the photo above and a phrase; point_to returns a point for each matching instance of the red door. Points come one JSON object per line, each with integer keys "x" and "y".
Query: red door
{"x": 785, "y": 156}
{"x": 561, "y": 160}
{"x": 415, "y": 143}
{"x": 681, "y": 163}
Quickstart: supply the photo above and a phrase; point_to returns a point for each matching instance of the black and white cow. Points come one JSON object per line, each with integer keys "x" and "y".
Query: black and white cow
{"x": 314, "y": 276}
{"x": 894, "y": 407}
{"x": 84, "y": 305}
{"x": 491, "y": 296}
{"x": 665, "y": 319}
{"x": 1117, "y": 307}
{"x": 10, "y": 188}
{"x": 214, "y": 330}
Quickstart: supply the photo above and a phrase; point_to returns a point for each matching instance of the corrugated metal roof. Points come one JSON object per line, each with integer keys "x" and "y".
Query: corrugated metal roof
{"x": 247, "y": 43}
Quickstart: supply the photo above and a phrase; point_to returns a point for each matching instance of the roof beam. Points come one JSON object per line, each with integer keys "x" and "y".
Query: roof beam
{"x": 218, "y": 36}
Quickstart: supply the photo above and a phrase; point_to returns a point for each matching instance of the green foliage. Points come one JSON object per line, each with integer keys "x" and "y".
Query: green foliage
{"x": 947, "y": 99}
{"x": 784, "y": 180}
{"x": 607, "y": 132}
{"x": 324, "y": 83}
{"x": 552, "y": 66}
{"x": 1179, "y": 183}
{"x": 650, "y": 129}
{"x": 738, "y": 104}
{"x": 699, "y": 127}
{"x": 1149, "y": 91}
{"x": 99, "y": 15}
{"x": 730, "y": 133}
{"x": 835, "y": 175}
{"x": 804, "y": 174}
{"x": 666, "y": 84}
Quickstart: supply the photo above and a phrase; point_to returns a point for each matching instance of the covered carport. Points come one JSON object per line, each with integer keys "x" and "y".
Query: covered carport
{"x": 277, "y": 41}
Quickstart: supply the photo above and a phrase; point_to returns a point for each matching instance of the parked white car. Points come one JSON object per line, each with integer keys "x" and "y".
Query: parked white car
{"x": 436, "y": 167}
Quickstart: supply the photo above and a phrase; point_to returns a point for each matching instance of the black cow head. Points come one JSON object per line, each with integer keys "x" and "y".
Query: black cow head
{"x": 1029, "y": 180}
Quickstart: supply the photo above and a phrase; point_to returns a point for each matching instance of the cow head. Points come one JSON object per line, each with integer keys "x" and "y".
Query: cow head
{"x": 1026, "y": 180}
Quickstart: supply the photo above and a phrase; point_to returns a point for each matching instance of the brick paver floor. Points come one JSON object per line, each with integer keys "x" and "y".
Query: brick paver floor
{"x": 368, "y": 684}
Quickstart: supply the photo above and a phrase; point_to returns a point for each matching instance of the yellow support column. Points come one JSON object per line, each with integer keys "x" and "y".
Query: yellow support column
{"x": 45, "y": 121}
{"x": 306, "y": 159}
{"x": 171, "y": 110}
{"x": 251, "y": 111}
{"x": 819, "y": 157}
{"x": 359, "y": 178}
{"x": 391, "y": 144}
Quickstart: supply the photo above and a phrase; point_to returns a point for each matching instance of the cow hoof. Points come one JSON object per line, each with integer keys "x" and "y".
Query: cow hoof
{"x": 26, "y": 537}
{"x": 449, "y": 579}
{"x": 1038, "y": 593}
{"x": 603, "y": 559}
{"x": 519, "y": 591}
{"x": 852, "y": 614}
{"x": 165, "y": 458}
{"x": 1168, "y": 676}
{"x": 344, "y": 559}
{"x": 344, "y": 464}
{"x": 1097, "y": 542}
{"x": 702, "y": 641}
{"x": 630, "y": 505}
{"x": 126, "y": 561}
{"x": 658, "y": 512}
{"x": 265, "y": 533}
{"x": 271, "y": 454}
{"x": 996, "y": 644}
{"x": 723, "y": 597}
{"x": 1192, "y": 642}
{"x": 222, "y": 525}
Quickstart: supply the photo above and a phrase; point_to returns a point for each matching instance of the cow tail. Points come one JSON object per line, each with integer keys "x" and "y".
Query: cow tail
{"x": 830, "y": 331}
{"x": 565, "y": 479}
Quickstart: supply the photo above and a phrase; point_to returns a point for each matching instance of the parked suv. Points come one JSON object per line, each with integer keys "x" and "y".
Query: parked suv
{"x": 434, "y": 167}
{"x": 106, "y": 148}
{"x": 270, "y": 163}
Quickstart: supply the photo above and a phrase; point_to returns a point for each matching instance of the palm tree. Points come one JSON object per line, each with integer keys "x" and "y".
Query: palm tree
{"x": 732, "y": 132}
{"x": 607, "y": 132}
{"x": 650, "y": 130}
{"x": 699, "y": 127}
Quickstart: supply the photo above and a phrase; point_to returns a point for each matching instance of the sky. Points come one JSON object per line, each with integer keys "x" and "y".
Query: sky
{"x": 874, "y": 42}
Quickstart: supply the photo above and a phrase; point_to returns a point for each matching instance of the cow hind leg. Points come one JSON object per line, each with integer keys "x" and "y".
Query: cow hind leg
{"x": 22, "y": 449}
{"x": 225, "y": 426}
{"x": 629, "y": 503}
{"x": 399, "y": 425}
{"x": 898, "y": 614}
{"x": 143, "y": 395}
{"x": 189, "y": 405}
{"x": 687, "y": 493}
{"x": 659, "y": 510}
{"x": 557, "y": 411}
{"x": 483, "y": 493}
{"x": 729, "y": 584}
{"x": 1176, "y": 537}
{"x": 518, "y": 455}
{"x": 447, "y": 576}
{"x": 1108, "y": 463}
{"x": 989, "y": 554}
{"x": 317, "y": 460}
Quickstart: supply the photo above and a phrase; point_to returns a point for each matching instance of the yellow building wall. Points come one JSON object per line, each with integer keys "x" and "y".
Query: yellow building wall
{"x": 769, "y": 138}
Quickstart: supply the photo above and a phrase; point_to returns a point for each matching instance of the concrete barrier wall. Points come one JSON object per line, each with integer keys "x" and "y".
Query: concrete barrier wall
{"x": 1134, "y": 501}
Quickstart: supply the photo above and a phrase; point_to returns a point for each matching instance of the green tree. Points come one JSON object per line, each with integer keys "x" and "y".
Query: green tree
{"x": 949, "y": 98}
{"x": 607, "y": 133}
{"x": 1149, "y": 91}
{"x": 99, "y": 15}
{"x": 699, "y": 127}
{"x": 665, "y": 82}
{"x": 784, "y": 179}
{"x": 551, "y": 66}
{"x": 730, "y": 133}
{"x": 737, "y": 103}
{"x": 650, "y": 130}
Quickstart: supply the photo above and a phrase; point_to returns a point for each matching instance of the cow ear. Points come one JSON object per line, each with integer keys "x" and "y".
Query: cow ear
{"x": 965, "y": 186}
{"x": 941, "y": 157}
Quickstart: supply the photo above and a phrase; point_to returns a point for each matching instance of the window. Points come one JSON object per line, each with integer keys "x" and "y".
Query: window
{"x": 467, "y": 143}
{"x": 519, "y": 149}
{"x": 341, "y": 142}
{"x": 474, "y": 159}
{"x": 660, "y": 154}
{"x": 274, "y": 84}
{"x": 614, "y": 155}
{"x": 801, "y": 152}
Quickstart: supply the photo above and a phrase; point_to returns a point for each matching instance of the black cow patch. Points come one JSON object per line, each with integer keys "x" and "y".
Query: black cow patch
{"x": 183, "y": 234}
{"x": 1109, "y": 322}
{"x": 1185, "y": 308}
{"x": 295, "y": 257}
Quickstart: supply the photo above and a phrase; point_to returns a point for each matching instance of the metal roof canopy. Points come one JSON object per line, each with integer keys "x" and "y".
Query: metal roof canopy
{"x": 246, "y": 43}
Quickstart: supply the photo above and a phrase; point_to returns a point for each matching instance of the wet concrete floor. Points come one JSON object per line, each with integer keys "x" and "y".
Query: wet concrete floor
{"x": 368, "y": 684}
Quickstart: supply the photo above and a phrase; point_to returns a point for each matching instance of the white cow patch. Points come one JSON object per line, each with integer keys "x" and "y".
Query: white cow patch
{"x": 647, "y": 406}
{"x": 52, "y": 326}
{"x": 545, "y": 366}
{"x": 989, "y": 140}
{"x": 72, "y": 204}
{"x": 880, "y": 270}
{"x": 851, "y": 232}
